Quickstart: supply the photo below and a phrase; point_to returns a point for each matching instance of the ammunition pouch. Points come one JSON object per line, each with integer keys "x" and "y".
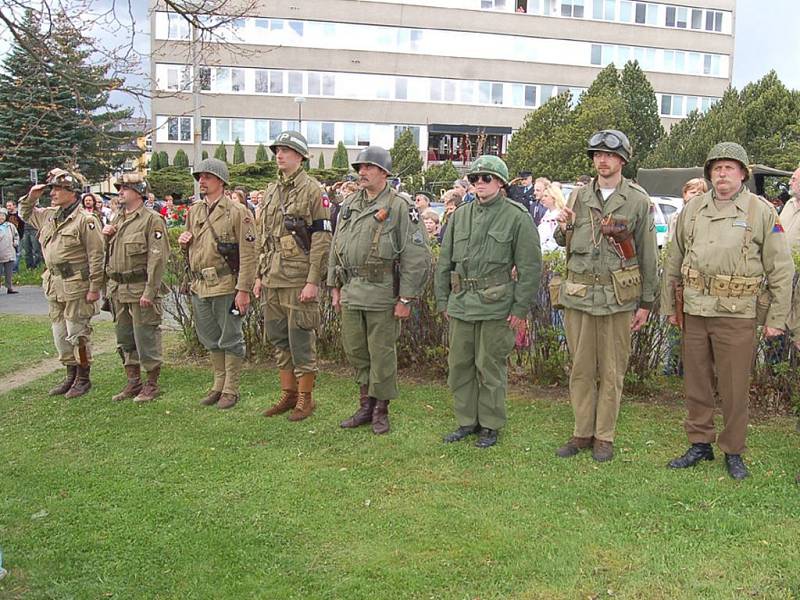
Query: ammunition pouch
{"x": 627, "y": 284}
{"x": 128, "y": 276}
{"x": 67, "y": 270}
{"x": 554, "y": 288}
{"x": 205, "y": 274}
{"x": 230, "y": 253}
{"x": 460, "y": 284}
{"x": 722, "y": 286}
{"x": 372, "y": 271}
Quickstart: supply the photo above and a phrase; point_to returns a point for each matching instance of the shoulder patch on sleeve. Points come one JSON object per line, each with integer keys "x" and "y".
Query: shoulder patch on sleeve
{"x": 158, "y": 235}
{"x": 91, "y": 224}
{"x": 417, "y": 238}
{"x": 413, "y": 214}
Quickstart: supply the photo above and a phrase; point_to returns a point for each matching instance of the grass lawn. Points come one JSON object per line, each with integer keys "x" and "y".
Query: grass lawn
{"x": 174, "y": 500}
{"x": 27, "y": 341}
{"x": 26, "y": 276}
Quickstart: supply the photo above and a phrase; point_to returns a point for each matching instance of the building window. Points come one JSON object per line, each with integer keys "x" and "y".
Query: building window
{"x": 205, "y": 79}
{"x": 276, "y": 82}
{"x": 328, "y": 85}
{"x": 596, "y": 54}
{"x": 327, "y": 134}
{"x": 497, "y": 93}
{"x": 484, "y": 92}
{"x": 237, "y": 80}
{"x": 223, "y": 130}
{"x": 604, "y": 9}
{"x": 435, "y": 90}
{"x": 666, "y": 104}
{"x": 262, "y": 81}
{"x": 493, "y": 4}
{"x": 713, "y": 20}
{"x": 261, "y": 131}
{"x": 626, "y": 11}
{"x": 295, "y": 82}
{"x": 205, "y": 130}
{"x": 400, "y": 88}
{"x": 179, "y": 129}
{"x": 466, "y": 92}
{"x": 677, "y": 17}
{"x": 530, "y": 95}
{"x": 222, "y": 80}
{"x": 572, "y": 8}
{"x": 398, "y": 129}
{"x": 314, "y": 84}
{"x": 356, "y": 134}
{"x": 237, "y": 130}
{"x": 697, "y": 18}
{"x": 177, "y": 28}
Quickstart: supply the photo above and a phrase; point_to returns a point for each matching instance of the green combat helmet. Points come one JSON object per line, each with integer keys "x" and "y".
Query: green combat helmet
{"x": 492, "y": 165}
{"x": 69, "y": 180}
{"x": 374, "y": 155}
{"x": 610, "y": 140}
{"x": 133, "y": 181}
{"x": 293, "y": 140}
{"x": 214, "y": 166}
{"x": 728, "y": 151}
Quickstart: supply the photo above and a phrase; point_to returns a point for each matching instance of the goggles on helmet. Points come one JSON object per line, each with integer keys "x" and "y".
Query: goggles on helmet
{"x": 607, "y": 139}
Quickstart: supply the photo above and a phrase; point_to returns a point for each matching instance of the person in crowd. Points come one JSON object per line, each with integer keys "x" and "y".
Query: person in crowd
{"x": 463, "y": 189}
{"x": 16, "y": 220}
{"x": 553, "y": 201}
{"x": 790, "y": 214}
{"x": 486, "y": 278}
{"x": 431, "y": 220}
{"x": 73, "y": 254}
{"x": 610, "y": 287}
{"x": 536, "y": 208}
{"x": 294, "y": 236}
{"x": 422, "y": 200}
{"x": 451, "y": 200}
{"x": 89, "y": 202}
{"x": 137, "y": 250}
{"x": 521, "y": 189}
{"x": 379, "y": 264}
{"x": 692, "y": 188}
{"x": 173, "y": 213}
{"x": 583, "y": 181}
{"x": 220, "y": 241}
{"x": 9, "y": 243}
{"x": 728, "y": 243}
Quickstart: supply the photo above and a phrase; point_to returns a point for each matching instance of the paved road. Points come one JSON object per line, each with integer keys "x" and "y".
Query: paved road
{"x": 31, "y": 301}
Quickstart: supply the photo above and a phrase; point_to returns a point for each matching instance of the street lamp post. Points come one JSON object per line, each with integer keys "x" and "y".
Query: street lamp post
{"x": 299, "y": 100}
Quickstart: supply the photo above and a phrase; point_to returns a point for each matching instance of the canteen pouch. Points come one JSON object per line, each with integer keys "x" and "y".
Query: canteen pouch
{"x": 732, "y": 305}
{"x": 762, "y": 306}
{"x": 627, "y": 284}
{"x": 554, "y": 287}
{"x": 210, "y": 275}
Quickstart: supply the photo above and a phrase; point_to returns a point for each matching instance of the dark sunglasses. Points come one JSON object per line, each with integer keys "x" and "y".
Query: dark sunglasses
{"x": 485, "y": 177}
{"x": 607, "y": 139}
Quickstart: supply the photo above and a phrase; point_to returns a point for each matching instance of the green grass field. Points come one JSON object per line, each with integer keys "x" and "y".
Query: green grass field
{"x": 174, "y": 500}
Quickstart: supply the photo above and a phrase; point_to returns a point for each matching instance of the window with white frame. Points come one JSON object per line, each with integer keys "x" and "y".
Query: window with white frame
{"x": 178, "y": 27}
{"x": 605, "y": 10}
{"x": 179, "y": 129}
{"x": 237, "y": 80}
{"x": 572, "y": 8}
{"x": 205, "y": 130}
{"x": 415, "y": 132}
{"x": 356, "y": 134}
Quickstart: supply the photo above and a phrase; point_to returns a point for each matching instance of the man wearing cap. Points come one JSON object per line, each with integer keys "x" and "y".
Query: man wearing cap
{"x": 73, "y": 253}
{"x": 220, "y": 243}
{"x": 732, "y": 260}
{"x": 378, "y": 266}
{"x": 790, "y": 215}
{"x": 294, "y": 237}
{"x": 611, "y": 283}
{"x": 137, "y": 250}
{"x": 522, "y": 189}
{"x": 485, "y": 303}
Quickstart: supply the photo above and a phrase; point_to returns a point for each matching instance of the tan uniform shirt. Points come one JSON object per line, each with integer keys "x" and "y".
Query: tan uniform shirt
{"x": 72, "y": 250}
{"x": 790, "y": 220}
{"x": 282, "y": 263}
{"x": 232, "y": 223}
{"x": 137, "y": 255}
{"x": 710, "y": 242}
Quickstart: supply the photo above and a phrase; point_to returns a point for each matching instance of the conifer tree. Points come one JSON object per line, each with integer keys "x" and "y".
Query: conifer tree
{"x": 340, "y": 159}
{"x": 238, "y": 153}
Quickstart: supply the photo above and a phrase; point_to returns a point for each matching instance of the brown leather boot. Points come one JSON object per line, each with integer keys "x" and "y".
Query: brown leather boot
{"x": 218, "y": 363}
{"x": 150, "y": 389}
{"x": 380, "y": 417}
{"x": 573, "y": 446}
{"x": 602, "y": 451}
{"x": 230, "y": 393}
{"x": 288, "y": 398}
{"x": 82, "y": 384}
{"x": 134, "y": 385}
{"x": 364, "y": 413}
{"x": 63, "y": 387}
{"x": 305, "y": 401}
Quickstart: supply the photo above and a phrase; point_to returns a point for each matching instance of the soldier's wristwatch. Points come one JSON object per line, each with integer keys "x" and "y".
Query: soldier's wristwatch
{"x": 405, "y": 301}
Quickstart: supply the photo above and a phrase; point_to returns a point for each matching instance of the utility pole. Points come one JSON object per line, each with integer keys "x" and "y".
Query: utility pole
{"x": 197, "y": 125}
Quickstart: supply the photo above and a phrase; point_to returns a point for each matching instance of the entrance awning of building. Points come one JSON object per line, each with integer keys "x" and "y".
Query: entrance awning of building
{"x": 470, "y": 129}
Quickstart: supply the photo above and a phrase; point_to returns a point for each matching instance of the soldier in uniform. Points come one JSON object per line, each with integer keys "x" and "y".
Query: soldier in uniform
{"x": 137, "y": 250}
{"x": 220, "y": 240}
{"x": 294, "y": 236}
{"x": 485, "y": 305}
{"x": 73, "y": 253}
{"x": 728, "y": 244}
{"x": 378, "y": 266}
{"x": 611, "y": 283}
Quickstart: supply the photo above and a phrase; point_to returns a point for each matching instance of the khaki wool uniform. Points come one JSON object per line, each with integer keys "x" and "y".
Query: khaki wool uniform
{"x": 285, "y": 268}
{"x": 474, "y": 284}
{"x": 72, "y": 247}
{"x": 722, "y": 269}
{"x": 790, "y": 220}
{"x": 600, "y": 294}
{"x": 137, "y": 255}
{"x": 214, "y": 285}
{"x": 372, "y": 235}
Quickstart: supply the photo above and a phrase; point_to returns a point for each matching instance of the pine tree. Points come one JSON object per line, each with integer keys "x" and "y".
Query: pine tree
{"x": 261, "y": 154}
{"x": 155, "y": 164}
{"x": 221, "y": 152}
{"x": 163, "y": 159}
{"x": 406, "y": 160}
{"x": 180, "y": 159}
{"x": 340, "y": 158}
{"x": 205, "y": 154}
{"x": 54, "y": 111}
{"x": 321, "y": 161}
{"x": 238, "y": 153}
